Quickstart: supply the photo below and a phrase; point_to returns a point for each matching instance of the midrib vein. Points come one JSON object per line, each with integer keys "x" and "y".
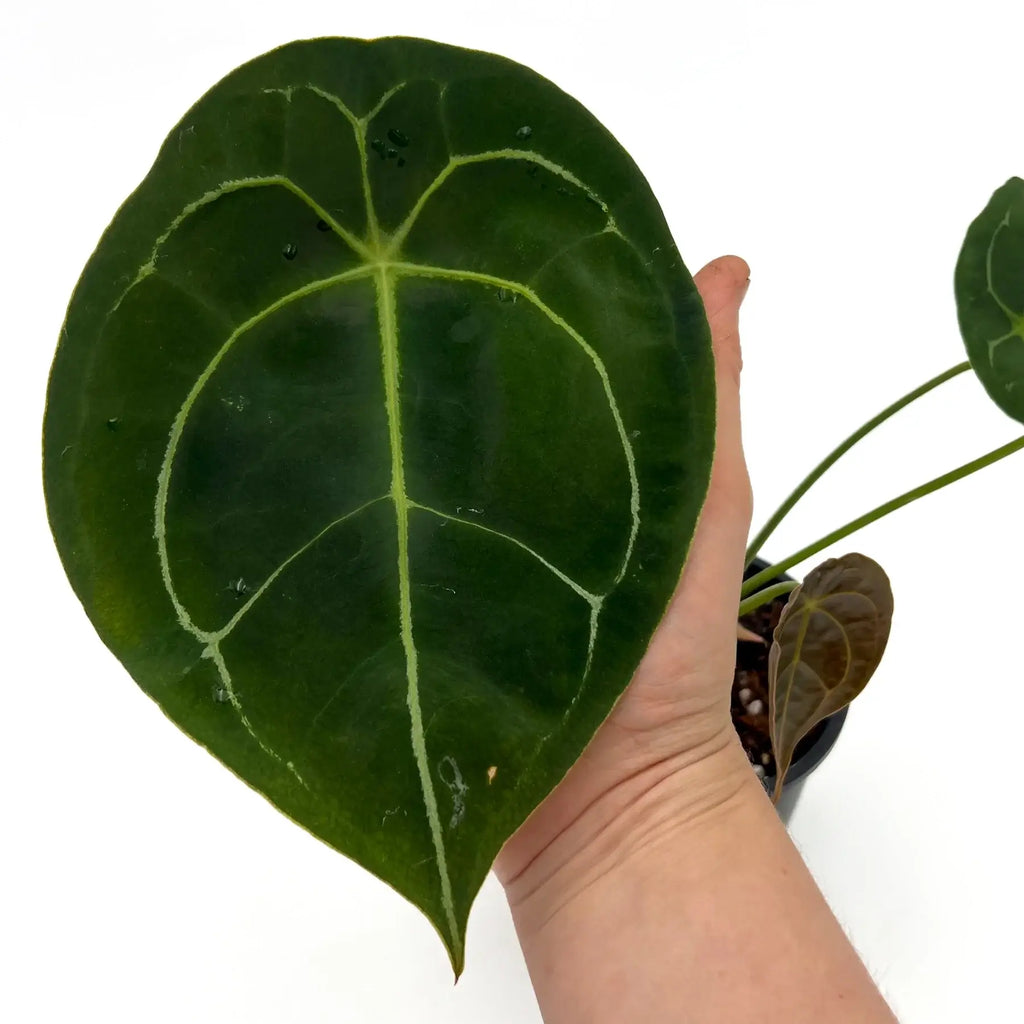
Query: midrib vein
{"x": 385, "y": 283}
{"x": 1016, "y": 319}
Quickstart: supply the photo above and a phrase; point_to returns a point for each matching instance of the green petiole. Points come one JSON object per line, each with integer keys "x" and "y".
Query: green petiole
{"x": 751, "y": 585}
{"x": 805, "y": 485}
{"x": 748, "y": 604}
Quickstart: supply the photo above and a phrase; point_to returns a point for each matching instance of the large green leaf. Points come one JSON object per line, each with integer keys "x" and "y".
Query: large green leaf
{"x": 829, "y": 640}
{"x": 989, "y": 284}
{"x": 376, "y": 437}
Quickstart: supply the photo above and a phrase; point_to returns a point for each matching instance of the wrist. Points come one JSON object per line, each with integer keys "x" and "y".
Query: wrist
{"x": 687, "y": 793}
{"x": 690, "y": 902}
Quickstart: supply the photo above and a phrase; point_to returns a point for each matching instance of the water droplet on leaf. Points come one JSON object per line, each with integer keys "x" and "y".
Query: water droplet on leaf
{"x": 397, "y": 137}
{"x": 378, "y": 147}
{"x": 322, "y": 225}
{"x": 114, "y": 423}
{"x": 506, "y": 295}
{"x": 392, "y": 153}
{"x": 290, "y": 251}
{"x": 525, "y": 132}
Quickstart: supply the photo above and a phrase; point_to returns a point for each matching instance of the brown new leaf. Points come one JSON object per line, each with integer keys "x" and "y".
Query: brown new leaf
{"x": 826, "y": 647}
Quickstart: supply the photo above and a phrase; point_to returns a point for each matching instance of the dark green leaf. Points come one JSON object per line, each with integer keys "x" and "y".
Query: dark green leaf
{"x": 989, "y": 287}
{"x": 376, "y": 437}
{"x": 827, "y": 645}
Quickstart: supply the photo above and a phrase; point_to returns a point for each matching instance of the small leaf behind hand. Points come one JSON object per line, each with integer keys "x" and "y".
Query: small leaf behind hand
{"x": 989, "y": 285}
{"x": 826, "y": 647}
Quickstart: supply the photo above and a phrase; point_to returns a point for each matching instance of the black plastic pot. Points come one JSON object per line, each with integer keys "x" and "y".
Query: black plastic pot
{"x": 824, "y": 736}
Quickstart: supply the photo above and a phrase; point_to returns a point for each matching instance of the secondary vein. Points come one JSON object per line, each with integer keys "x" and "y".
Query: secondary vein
{"x": 594, "y": 600}
{"x": 444, "y": 273}
{"x": 178, "y": 428}
{"x": 226, "y": 188}
{"x": 465, "y": 159}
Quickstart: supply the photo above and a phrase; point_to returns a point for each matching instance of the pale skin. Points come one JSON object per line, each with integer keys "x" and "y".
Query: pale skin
{"x": 633, "y": 889}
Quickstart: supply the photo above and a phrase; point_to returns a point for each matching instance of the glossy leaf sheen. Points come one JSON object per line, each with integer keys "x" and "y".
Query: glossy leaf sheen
{"x": 989, "y": 286}
{"x": 375, "y": 441}
{"x": 828, "y": 643}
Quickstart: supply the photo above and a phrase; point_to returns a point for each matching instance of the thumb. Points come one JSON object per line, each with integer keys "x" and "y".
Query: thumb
{"x": 722, "y": 285}
{"x": 714, "y": 568}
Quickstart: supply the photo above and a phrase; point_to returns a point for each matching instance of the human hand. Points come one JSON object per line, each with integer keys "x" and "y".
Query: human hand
{"x": 671, "y": 732}
{"x": 643, "y": 886}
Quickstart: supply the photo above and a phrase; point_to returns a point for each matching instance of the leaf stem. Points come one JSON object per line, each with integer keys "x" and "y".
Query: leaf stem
{"x": 805, "y": 485}
{"x": 772, "y": 571}
{"x": 747, "y": 605}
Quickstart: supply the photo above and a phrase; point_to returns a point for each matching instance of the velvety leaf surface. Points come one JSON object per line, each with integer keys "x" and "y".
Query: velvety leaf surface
{"x": 375, "y": 440}
{"x": 989, "y": 287}
{"x": 828, "y": 643}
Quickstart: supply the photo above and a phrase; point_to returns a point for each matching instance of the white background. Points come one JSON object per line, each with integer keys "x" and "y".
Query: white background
{"x": 843, "y": 150}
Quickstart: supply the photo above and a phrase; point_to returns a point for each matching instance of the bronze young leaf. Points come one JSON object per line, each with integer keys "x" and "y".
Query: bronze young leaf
{"x": 826, "y": 647}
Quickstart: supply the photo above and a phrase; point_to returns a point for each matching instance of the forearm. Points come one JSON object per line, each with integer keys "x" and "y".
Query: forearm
{"x": 691, "y": 905}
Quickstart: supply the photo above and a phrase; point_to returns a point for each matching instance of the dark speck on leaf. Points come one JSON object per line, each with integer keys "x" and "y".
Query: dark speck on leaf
{"x": 378, "y": 147}
{"x": 401, "y": 161}
{"x": 322, "y": 225}
{"x": 397, "y": 137}
{"x": 392, "y": 153}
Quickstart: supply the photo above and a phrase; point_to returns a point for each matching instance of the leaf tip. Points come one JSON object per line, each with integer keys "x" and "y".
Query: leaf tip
{"x": 780, "y": 780}
{"x": 457, "y": 956}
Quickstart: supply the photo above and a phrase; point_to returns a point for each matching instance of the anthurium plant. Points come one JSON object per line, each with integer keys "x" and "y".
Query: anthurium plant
{"x": 834, "y": 627}
{"x": 377, "y": 433}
